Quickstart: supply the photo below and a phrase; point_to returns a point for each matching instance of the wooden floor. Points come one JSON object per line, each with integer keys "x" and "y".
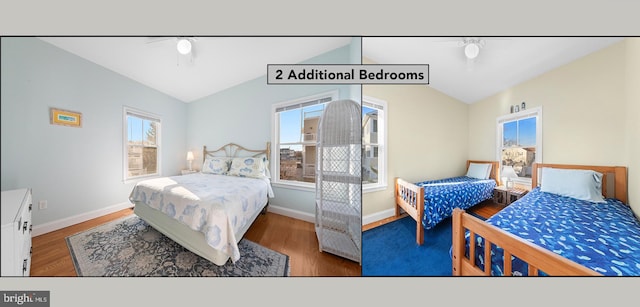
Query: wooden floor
{"x": 485, "y": 209}
{"x": 289, "y": 236}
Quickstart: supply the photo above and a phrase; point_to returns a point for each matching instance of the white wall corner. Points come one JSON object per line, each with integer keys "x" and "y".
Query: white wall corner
{"x": 72, "y": 220}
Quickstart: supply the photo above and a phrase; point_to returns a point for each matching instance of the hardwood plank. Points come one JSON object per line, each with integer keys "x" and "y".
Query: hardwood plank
{"x": 287, "y": 235}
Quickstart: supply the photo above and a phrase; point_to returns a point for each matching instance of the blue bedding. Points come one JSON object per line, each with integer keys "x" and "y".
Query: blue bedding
{"x": 604, "y": 237}
{"x": 443, "y": 195}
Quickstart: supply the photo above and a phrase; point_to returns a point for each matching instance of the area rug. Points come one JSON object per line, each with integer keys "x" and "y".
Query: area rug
{"x": 391, "y": 250}
{"x": 129, "y": 247}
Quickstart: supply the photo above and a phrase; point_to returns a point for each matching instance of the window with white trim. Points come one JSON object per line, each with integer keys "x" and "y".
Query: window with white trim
{"x": 519, "y": 142}
{"x": 295, "y": 135}
{"x": 374, "y": 152}
{"x": 141, "y": 144}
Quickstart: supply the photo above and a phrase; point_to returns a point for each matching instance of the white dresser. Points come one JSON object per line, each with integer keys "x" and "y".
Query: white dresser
{"x": 16, "y": 232}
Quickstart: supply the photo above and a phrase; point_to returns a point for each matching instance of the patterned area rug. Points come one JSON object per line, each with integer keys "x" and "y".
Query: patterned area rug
{"x": 130, "y": 247}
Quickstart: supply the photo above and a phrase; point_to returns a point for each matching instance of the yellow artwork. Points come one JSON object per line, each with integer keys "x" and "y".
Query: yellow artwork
{"x": 66, "y": 118}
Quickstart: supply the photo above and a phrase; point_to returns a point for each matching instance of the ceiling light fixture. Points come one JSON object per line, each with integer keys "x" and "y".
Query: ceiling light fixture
{"x": 184, "y": 46}
{"x": 471, "y": 50}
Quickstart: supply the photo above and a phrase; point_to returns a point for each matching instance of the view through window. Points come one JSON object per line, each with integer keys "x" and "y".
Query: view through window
{"x": 297, "y": 134}
{"x": 373, "y": 147}
{"x": 143, "y": 133}
{"x": 520, "y": 142}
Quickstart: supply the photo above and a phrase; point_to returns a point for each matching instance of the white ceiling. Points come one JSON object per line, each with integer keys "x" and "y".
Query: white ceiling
{"x": 502, "y": 63}
{"x": 218, "y": 62}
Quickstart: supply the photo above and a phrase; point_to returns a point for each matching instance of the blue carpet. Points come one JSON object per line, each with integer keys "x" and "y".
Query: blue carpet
{"x": 391, "y": 250}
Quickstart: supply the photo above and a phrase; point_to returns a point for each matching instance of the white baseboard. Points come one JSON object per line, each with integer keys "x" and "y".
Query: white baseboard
{"x": 65, "y": 222}
{"x": 62, "y": 223}
{"x": 311, "y": 217}
{"x": 307, "y": 217}
{"x": 378, "y": 216}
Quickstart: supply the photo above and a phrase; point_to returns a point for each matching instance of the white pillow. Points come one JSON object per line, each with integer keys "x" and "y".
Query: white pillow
{"x": 265, "y": 160}
{"x": 247, "y": 167}
{"x": 216, "y": 165}
{"x": 479, "y": 170}
{"x": 575, "y": 183}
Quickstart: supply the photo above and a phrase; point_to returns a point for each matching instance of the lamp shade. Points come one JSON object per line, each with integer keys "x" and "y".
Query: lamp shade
{"x": 471, "y": 50}
{"x": 509, "y": 172}
{"x": 189, "y": 156}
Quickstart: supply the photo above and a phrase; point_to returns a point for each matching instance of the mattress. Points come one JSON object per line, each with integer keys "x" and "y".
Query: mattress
{"x": 218, "y": 207}
{"x": 443, "y": 195}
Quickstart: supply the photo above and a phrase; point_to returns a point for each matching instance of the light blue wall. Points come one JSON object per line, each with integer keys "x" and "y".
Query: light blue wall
{"x": 77, "y": 170}
{"x": 242, "y": 115}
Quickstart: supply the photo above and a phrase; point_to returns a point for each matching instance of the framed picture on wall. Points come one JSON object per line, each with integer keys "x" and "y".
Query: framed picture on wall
{"x": 65, "y": 117}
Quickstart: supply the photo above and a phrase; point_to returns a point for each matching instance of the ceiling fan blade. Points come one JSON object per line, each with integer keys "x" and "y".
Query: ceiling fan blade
{"x": 151, "y": 40}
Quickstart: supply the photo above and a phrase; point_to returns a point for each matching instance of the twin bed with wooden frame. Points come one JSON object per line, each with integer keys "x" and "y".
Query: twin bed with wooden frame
{"x": 206, "y": 213}
{"x": 410, "y": 197}
{"x": 583, "y": 230}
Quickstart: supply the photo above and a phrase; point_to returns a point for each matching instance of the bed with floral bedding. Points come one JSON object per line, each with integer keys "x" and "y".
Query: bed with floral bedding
{"x": 209, "y": 211}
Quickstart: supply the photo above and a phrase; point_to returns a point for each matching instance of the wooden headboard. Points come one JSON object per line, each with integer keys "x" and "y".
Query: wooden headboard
{"x": 619, "y": 190}
{"x": 235, "y": 150}
{"x": 495, "y": 169}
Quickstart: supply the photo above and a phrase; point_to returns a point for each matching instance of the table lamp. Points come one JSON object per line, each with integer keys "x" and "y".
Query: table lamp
{"x": 509, "y": 173}
{"x": 190, "y": 159}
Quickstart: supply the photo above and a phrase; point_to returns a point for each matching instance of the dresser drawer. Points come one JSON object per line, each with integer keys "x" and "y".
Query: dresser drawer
{"x": 16, "y": 232}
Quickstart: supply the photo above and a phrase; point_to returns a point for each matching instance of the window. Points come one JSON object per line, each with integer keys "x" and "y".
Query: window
{"x": 141, "y": 144}
{"x": 295, "y": 133}
{"x": 520, "y": 142}
{"x": 373, "y": 144}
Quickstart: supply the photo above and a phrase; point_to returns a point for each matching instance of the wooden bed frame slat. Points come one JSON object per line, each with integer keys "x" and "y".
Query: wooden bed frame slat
{"x": 487, "y": 258}
{"x": 537, "y": 258}
{"x": 410, "y": 197}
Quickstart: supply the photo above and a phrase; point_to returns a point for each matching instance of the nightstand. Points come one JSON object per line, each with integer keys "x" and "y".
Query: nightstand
{"x": 186, "y": 171}
{"x": 500, "y": 195}
{"x": 515, "y": 194}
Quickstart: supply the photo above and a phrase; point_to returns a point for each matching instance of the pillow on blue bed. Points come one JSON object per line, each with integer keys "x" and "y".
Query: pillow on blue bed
{"x": 479, "y": 170}
{"x": 575, "y": 183}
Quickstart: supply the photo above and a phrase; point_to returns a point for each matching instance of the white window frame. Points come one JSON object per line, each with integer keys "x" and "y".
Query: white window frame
{"x": 382, "y": 144}
{"x": 125, "y": 142}
{"x": 275, "y": 136}
{"x": 533, "y": 112}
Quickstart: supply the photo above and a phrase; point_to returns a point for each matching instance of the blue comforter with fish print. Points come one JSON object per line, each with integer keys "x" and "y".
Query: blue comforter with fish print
{"x": 604, "y": 237}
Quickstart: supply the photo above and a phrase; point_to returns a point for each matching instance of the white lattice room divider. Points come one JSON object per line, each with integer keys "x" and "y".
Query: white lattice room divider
{"x": 338, "y": 181}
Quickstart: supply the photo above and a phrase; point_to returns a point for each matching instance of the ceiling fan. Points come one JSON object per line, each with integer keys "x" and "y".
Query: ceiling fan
{"x": 185, "y": 45}
{"x": 472, "y": 46}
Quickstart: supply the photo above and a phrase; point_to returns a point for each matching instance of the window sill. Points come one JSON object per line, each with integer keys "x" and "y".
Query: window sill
{"x": 310, "y": 187}
{"x": 374, "y": 188}
{"x": 139, "y": 178}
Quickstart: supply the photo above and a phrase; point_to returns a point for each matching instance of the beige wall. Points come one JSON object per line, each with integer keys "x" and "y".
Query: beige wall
{"x": 633, "y": 121}
{"x": 582, "y": 103}
{"x": 427, "y": 137}
{"x": 589, "y": 112}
